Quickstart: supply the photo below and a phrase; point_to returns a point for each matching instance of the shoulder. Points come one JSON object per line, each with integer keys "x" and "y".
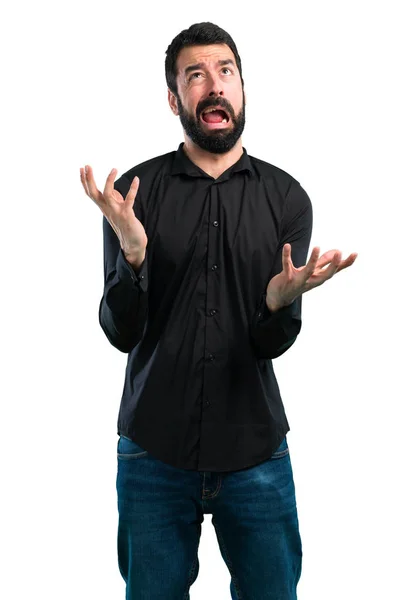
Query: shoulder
{"x": 268, "y": 171}
{"x": 148, "y": 168}
{"x": 281, "y": 183}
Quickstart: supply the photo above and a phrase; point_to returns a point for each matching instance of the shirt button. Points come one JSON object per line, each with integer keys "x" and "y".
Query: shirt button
{"x": 211, "y": 357}
{"x": 212, "y": 312}
{"x": 215, "y": 223}
{"x": 214, "y": 267}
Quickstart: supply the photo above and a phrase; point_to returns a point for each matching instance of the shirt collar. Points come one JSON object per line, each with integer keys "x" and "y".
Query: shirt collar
{"x": 182, "y": 164}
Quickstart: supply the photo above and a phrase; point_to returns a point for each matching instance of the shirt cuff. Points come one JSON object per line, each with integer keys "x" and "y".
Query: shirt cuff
{"x": 282, "y": 314}
{"x": 126, "y": 272}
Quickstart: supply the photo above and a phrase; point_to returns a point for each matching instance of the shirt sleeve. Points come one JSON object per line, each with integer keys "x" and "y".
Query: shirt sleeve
{"x": 274, "y": 333}
{"x": 124, "y": 304}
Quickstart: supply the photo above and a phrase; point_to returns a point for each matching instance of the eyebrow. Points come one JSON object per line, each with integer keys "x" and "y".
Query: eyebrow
{"x": 226, "y": 61}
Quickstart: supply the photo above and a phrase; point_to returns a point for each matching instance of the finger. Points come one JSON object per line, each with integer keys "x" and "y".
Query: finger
{"x": 94, "y": 193}
{"x": 83, "y": 180}
{"x": 131, "y": 195}
{"x": 319, "y": 278}
{"x": 286, "y": 257}
{"x": 326, "y": 258}
{"x": 334, "y": 266}
{"x": 332, "y": 269}
{"x": 312, "y": 263}
{"x": 348, "y": 262}
{"x": 109, "y": 187}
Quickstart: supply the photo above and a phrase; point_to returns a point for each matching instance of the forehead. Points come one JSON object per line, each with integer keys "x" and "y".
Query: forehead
{"x": 208, "y": 54}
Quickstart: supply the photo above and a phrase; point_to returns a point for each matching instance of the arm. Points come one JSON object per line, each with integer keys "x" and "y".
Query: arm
{"x": 273, "y": 333}
{"x": 124, "y": 304}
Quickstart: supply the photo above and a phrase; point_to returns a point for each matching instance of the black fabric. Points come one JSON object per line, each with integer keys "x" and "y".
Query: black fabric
{"x": 200, "y": 391}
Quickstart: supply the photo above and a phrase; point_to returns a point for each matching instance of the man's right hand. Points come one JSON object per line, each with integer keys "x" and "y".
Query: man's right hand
{"x": 118, "y": 212}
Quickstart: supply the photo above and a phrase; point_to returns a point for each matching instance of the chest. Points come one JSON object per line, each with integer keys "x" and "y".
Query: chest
{"x": 237, "y": 223}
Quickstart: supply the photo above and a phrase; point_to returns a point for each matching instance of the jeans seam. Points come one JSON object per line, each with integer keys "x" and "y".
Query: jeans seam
{"x": 280, "y": 454}
{"x": 229, "y": 563}
{"x": 189, "y": 582}
{"x": 132, "y": 456}
{"x": 214, "y": 493}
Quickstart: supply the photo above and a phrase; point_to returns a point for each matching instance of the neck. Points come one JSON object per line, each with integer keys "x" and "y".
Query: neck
{"x": 210, "y": 163}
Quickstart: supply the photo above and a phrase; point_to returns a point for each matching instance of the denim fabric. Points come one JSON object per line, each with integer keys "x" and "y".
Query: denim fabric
{"x": 161, "y": 509}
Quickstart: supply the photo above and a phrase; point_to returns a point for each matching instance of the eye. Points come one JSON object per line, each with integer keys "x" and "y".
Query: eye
{"x": 198, "y": 73}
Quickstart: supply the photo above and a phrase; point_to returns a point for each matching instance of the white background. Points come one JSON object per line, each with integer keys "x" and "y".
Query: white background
{"x": 84, "y": 83}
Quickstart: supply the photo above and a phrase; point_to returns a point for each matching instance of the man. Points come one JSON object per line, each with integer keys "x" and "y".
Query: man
{"x": 204, "y": 270}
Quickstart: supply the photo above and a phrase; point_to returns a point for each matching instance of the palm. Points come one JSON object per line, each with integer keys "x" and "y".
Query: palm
{"x": 117, "y": 197}
{"x": 293, "y": 281}
{"x": 117, "y": 209}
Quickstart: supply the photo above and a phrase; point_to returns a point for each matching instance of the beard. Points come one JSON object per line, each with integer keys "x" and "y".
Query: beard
{"x": 217, "y": 141}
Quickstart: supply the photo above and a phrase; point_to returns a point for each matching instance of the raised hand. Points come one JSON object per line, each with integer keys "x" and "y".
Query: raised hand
{"x": 118, "y": 212}
{"x": 291, "y": 282}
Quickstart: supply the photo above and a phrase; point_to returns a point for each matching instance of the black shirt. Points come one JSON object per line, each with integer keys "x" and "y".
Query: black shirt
{"x": 200, "y": 392}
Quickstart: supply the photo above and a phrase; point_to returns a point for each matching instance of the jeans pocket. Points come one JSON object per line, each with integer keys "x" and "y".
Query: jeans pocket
{"x": 127, "y": 449}
{"x": 281, "y": 451}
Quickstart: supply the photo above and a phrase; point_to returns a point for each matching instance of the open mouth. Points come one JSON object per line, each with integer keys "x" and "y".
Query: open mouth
{"x": 215, "y": 118}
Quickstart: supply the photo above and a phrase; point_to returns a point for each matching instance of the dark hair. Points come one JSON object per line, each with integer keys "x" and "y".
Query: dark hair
{"x": 197, "y": 34}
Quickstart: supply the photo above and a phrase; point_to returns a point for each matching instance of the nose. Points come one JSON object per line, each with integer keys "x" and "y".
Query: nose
{"x": 215, "y": 86}
{"x": 214, "y": 93}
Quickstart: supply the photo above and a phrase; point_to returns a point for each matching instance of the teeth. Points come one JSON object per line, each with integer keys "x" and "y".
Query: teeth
{"x": 224, "y": 120}
{"x": 210, "y": 110}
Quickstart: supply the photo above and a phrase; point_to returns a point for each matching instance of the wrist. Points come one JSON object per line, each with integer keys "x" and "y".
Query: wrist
{"x": 272, "y": 306}
{"x": 135, "y": 259}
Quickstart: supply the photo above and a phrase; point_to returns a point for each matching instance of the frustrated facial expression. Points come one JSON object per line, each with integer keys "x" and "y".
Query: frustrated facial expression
{"x": 208, "y": 77}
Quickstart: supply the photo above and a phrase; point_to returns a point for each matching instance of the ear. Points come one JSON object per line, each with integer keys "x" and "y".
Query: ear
{"x": 172, "y": 102}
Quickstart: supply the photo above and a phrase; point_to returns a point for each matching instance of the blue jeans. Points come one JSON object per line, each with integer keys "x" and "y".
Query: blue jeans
{"x": 161, "y": 509}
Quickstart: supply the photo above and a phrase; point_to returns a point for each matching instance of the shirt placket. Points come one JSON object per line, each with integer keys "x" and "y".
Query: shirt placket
{"x": 212, "y": 308}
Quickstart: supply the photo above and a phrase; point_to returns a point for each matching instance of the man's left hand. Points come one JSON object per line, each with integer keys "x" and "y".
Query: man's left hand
{"x": 292, "y": 282}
